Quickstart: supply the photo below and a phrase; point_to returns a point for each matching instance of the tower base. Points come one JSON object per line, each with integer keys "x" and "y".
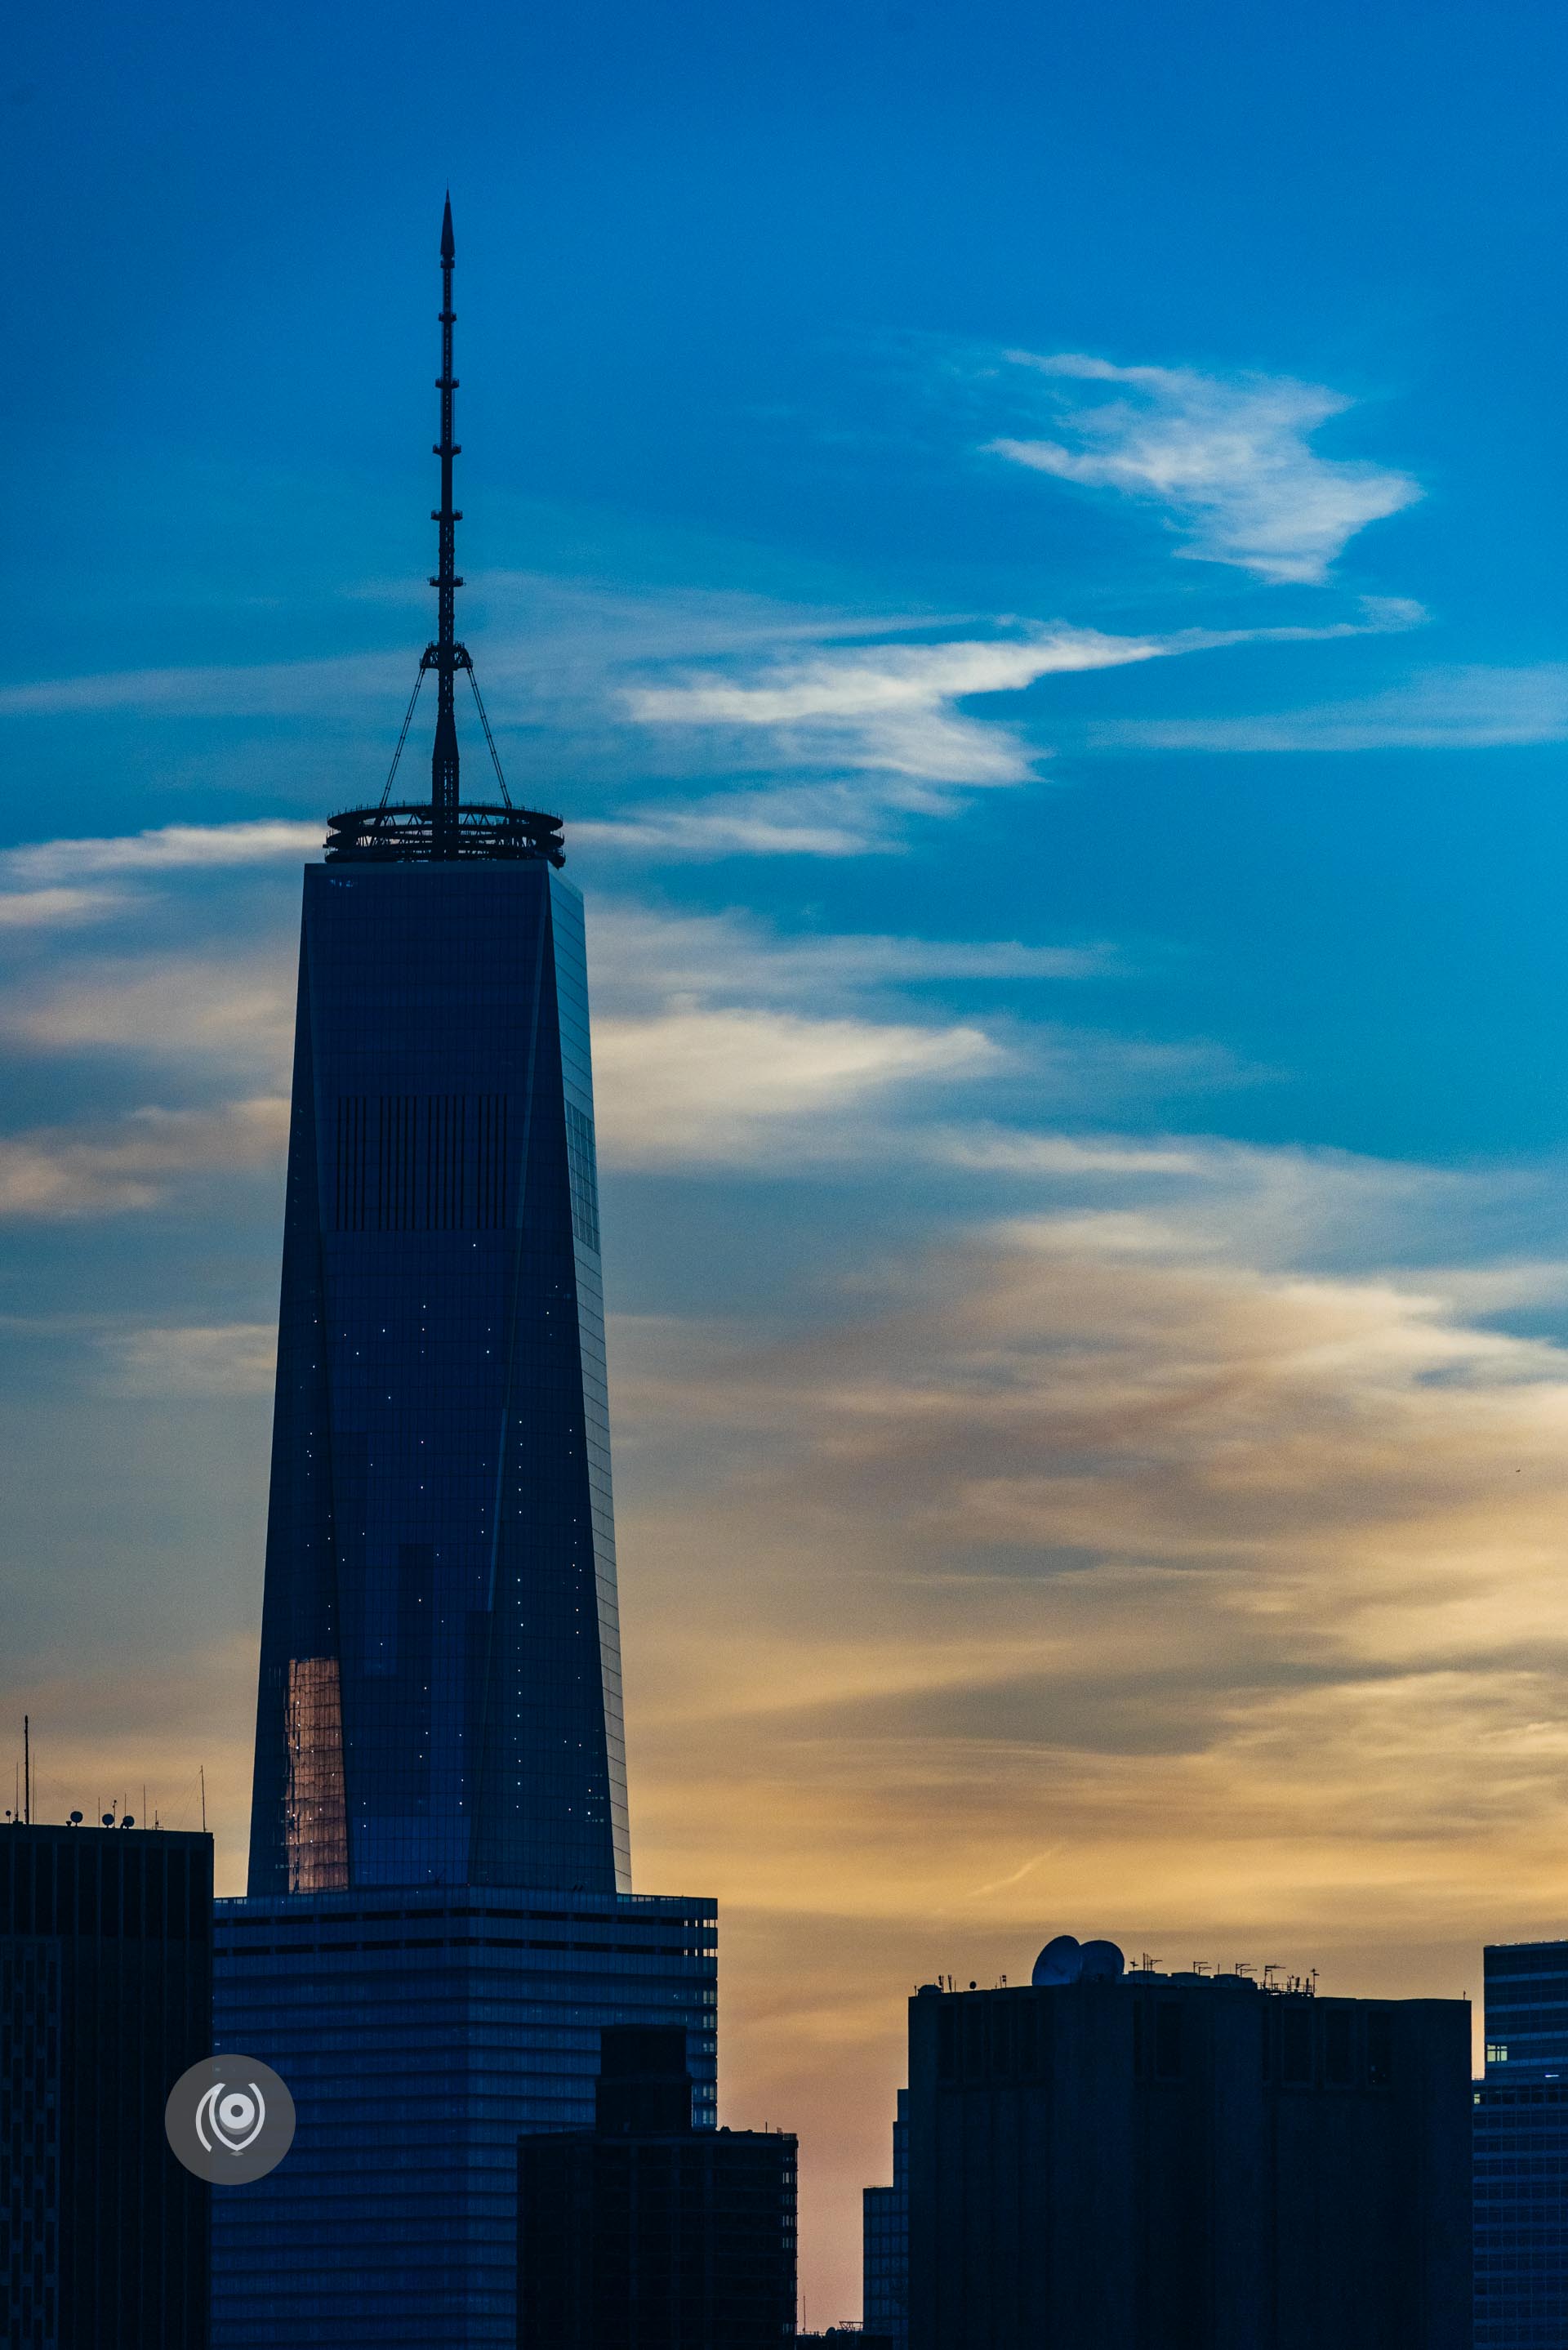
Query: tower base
{"x": 422, "y": 2032}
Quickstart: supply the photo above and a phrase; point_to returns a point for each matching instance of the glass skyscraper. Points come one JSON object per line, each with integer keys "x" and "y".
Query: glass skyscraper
{"x": 439, "y": 1919}
{"x": 440, "y": 1664}
{"x": 1521, "y": 2150}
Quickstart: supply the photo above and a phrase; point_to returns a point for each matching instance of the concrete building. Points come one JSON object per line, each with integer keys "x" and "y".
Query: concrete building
{"x": 1113, "y": 2161}
{"x": 645, "y": 2233}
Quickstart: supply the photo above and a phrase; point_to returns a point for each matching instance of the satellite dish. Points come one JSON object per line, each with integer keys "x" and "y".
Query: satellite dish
{"x": 76, "y": 1819}
{"x": 1102, "y": 1963}
{"x": 109, "y": 1819}
{"x": 130, "y": 1822}
{"x": 1059, "y": 1962}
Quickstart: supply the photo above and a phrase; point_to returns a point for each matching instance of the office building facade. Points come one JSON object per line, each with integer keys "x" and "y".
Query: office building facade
{"x": 1153, "y": 2162}
{"x": 420, "y": 2032}
{"x": 440, "y": 1700}
{"x": 439, "y": 1918}
{"x": 106, "y": 1986}
{"x": 1521, "y": 2150}
{"x": 645, "y": 2233}
{"x": 885, "y": 2241}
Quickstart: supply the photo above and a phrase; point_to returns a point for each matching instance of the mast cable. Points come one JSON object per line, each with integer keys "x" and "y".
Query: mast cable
{"x": 408, "y": 722}
{"x": 494, "y": 754}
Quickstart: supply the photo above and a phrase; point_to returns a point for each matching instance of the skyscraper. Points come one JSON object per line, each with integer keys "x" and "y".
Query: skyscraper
{"x": 106, "y": 1997}
{"x": 439, "y": 1918}
{"x": 439, "y": 1698}
{"x": 1522, "y": 2149}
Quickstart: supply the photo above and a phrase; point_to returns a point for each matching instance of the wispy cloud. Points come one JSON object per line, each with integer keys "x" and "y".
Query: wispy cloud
{"x": 644, "y": 954}
{"x": 893, "y": 708}
{"x": 549, "y": 646}
{"x": 1230, "y": 458}
{"x": 166, "y": 849}
{"x": 206, "y": 1012}
{"x": 262, "y": 689}
{"x": 732, "y": 1087}
{"x": 194, "y": 1359}
{"x": 37, "y": 910}
{"x": 861, "y": 739}
{"x": 134, "y": 1162}
{"x": 1468, "y": 709}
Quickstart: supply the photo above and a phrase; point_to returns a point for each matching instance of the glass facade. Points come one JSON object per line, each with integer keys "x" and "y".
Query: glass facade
{"x": 420, "y": 2033}
{"x": 440, "y": 1919}
{"x": 1521, "y": 2150}
{"x": 886, "y": 2242}
{"x": 440, "y": 1694}
{"x": 1526, "y": 2011}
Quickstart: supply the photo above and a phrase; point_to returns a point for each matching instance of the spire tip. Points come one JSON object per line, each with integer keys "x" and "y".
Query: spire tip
{"x": 448, "y": 245}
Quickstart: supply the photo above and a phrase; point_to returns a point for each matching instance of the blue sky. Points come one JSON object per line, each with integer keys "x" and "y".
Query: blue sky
{"x": 1027, "y": 548}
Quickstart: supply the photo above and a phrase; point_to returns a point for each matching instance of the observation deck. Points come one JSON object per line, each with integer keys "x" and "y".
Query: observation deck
{"x": 419, "y": 833}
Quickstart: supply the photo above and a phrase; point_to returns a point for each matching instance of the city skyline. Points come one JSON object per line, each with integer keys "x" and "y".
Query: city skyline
{"x": 1038, "y": 605}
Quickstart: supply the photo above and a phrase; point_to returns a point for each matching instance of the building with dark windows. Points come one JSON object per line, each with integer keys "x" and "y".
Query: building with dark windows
{"x": 106, "y": 1996}
{"x": 440, "y": 1671}
{"x": 1521, "y": 2150}
{"x": 645, "y": 2233}
{"x": 884, "y": 2223}
{"x": 439, "y": 1916}
{"x": 1113, "y": 2161}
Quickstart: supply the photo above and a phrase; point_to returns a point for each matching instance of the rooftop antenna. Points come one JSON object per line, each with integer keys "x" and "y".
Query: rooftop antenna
{"x": 445, "y": 656}
{"x": 28, "y": 1769}
{"x": 201, "y": 1770}
{"x": 443, "y": 653}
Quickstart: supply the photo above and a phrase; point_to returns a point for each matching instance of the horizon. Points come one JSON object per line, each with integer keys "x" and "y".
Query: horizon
{"x": 1026, "y": 555}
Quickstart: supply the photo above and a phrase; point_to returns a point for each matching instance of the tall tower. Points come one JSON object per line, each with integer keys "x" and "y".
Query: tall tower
{"x": 440, "y": 1693}
{"x": 439, "y": 1923}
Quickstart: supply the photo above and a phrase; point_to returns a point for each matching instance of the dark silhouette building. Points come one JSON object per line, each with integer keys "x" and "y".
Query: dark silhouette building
{"x": 1521, "y": 2150}
{"x": 885, "y": 2239}
{"x": 440, "y": 1693}
{"x": 1104, "y": 2161}
{"x": 439, "y": 1917}
{"x": 647, "y": 2234}
{"x": 106, "y": 1998}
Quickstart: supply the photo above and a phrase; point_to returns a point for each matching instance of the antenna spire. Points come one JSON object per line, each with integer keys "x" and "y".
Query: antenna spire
{"x": 445, "y": 656}
{"x": 442, "y": 827}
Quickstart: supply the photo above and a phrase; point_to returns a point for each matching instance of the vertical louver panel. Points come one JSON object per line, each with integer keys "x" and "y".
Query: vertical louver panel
{"x": 421, "y": 1162}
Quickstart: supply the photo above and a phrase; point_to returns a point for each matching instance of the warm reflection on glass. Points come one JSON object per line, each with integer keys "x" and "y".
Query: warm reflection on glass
{"x": 315, "y": 1825}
